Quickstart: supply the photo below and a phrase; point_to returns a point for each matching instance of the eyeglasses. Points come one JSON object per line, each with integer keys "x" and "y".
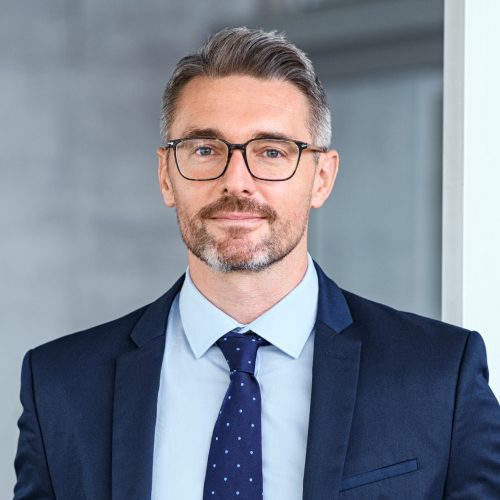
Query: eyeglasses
{"x": 201, "y": 159}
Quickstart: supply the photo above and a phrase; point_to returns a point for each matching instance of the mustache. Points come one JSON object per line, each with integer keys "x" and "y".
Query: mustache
{"x": 236, "y": 204}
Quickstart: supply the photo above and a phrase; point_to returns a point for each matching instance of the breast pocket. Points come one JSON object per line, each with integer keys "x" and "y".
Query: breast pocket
{"x": 379, "y": 474}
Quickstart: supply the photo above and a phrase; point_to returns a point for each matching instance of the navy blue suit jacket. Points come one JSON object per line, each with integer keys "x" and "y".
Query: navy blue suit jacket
{"x": 400, "y": 408}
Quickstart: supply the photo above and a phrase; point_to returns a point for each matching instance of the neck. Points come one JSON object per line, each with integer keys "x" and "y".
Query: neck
{"x": 246, "y": 295}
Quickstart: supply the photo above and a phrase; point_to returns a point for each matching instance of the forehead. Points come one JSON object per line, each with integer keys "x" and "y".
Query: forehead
{"x": 241, "y": 107}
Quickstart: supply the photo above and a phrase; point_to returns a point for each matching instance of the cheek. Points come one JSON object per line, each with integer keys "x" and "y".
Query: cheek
{"x": 297, "y": 199}
{"x": 186, "y": 201}
{"x": 188, "y": 205}
{"x": 295, "y": 210}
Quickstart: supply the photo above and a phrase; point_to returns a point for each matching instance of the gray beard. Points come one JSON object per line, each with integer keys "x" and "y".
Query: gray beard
{"x": 219, "y": 255}
{"x": 259, "y": 258}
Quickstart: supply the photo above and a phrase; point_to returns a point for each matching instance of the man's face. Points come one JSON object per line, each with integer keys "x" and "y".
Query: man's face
{"x": 237, "y": 222}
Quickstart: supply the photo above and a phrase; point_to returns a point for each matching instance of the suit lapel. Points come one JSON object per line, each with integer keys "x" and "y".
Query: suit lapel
{"x": 137, "y": 379}
{"x": 334, "y": 384}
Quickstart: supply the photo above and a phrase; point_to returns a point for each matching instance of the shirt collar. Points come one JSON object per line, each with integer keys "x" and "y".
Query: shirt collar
{"x": 287, "y": 325}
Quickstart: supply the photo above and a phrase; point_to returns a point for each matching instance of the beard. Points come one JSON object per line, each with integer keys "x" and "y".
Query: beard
{"x": 235, "y": 251}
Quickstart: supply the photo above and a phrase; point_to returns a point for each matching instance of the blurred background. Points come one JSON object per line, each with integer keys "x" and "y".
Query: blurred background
{"x": 85, "y": 236}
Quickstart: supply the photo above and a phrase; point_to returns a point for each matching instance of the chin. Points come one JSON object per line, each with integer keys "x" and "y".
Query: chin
{"x": 251, "y": 260}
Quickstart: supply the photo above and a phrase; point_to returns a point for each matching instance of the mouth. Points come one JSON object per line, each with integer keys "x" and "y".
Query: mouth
{"x": 239, "y": 218}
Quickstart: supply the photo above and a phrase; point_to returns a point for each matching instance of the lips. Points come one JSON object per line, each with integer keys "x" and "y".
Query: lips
{"x": 237, "y": 216}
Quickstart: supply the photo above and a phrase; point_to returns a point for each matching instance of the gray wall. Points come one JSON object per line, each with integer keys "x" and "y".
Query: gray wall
{"x": 85, "y": 236}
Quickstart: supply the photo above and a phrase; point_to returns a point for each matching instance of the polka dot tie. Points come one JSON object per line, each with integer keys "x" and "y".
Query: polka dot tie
{"x": 234, "y": 468}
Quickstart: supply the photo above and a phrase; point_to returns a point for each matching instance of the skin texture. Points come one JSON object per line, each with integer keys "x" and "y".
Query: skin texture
{"x": 245, "y": 220}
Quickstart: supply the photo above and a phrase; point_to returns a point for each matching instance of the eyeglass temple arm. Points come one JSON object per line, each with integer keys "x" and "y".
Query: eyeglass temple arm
{"x": 315, "y": 149}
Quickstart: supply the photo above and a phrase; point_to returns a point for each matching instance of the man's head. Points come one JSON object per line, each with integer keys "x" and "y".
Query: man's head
{"x": 263, "y": 55}
{"x": 243, "y": 203}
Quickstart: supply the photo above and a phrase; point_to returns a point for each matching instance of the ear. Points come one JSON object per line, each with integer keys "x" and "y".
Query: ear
{"x": 324, "y": 177}
{"x": 164, "y": 177}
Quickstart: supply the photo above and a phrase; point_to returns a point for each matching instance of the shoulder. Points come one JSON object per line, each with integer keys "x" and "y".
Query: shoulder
{"x": 373, "y": 313}
{"x": 100, "y": 342}
{"x": 407, "y": 336}
{"x": 376, "y": 323}
{"x": 109, "y": 340}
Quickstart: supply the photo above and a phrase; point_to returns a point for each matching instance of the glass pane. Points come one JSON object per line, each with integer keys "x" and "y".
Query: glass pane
{"x": 272, "y": 159}
{"x": 201, "y": 158}
{"x": 202, "y": 151}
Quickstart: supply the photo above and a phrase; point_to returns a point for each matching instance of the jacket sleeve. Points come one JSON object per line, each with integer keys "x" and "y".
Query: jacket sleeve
{"x": 33, "y": 478}
{"x": 474, "y": 465}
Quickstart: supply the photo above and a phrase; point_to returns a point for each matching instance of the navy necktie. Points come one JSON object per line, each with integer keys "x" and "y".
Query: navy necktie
{"x": 234, "y": 468}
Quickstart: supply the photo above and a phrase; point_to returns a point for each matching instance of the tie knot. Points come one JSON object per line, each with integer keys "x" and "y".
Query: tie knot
{"x": 240, "y": 350}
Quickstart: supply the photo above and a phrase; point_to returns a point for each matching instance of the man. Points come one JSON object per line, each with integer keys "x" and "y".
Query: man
{"x": 255, "y": 375}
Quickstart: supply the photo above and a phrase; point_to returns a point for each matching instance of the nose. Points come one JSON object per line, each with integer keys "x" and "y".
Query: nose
{"x": 237, "y": 179}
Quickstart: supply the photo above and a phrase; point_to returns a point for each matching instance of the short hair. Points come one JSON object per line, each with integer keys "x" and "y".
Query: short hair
{"x": 257, "y": 53}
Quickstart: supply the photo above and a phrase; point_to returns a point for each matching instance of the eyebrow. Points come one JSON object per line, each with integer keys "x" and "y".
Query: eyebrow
{"x": 204, "y": 133}
{"x": 213, "y": 133}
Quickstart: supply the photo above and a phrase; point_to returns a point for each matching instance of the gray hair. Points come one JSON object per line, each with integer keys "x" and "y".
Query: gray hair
{"x": 257, "y": 53}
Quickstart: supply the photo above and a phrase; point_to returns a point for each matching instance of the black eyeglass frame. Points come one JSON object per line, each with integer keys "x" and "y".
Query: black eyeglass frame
{"x": 243, "y": 148}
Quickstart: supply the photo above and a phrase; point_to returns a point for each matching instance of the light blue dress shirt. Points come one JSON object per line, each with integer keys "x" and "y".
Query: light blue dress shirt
{"x": 195, "y": 376}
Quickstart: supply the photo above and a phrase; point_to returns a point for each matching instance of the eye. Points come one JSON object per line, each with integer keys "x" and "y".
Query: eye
{"x": 272, "y": 154}
{"x": 271, "y": 150}
{"x": 203, "y": 151}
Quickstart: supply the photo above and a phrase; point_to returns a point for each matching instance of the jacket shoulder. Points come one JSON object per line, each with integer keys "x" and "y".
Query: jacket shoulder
{"x": 411, "y": 338}
{"x": 104, "y": 340}
{"x": 367, "y": 311}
